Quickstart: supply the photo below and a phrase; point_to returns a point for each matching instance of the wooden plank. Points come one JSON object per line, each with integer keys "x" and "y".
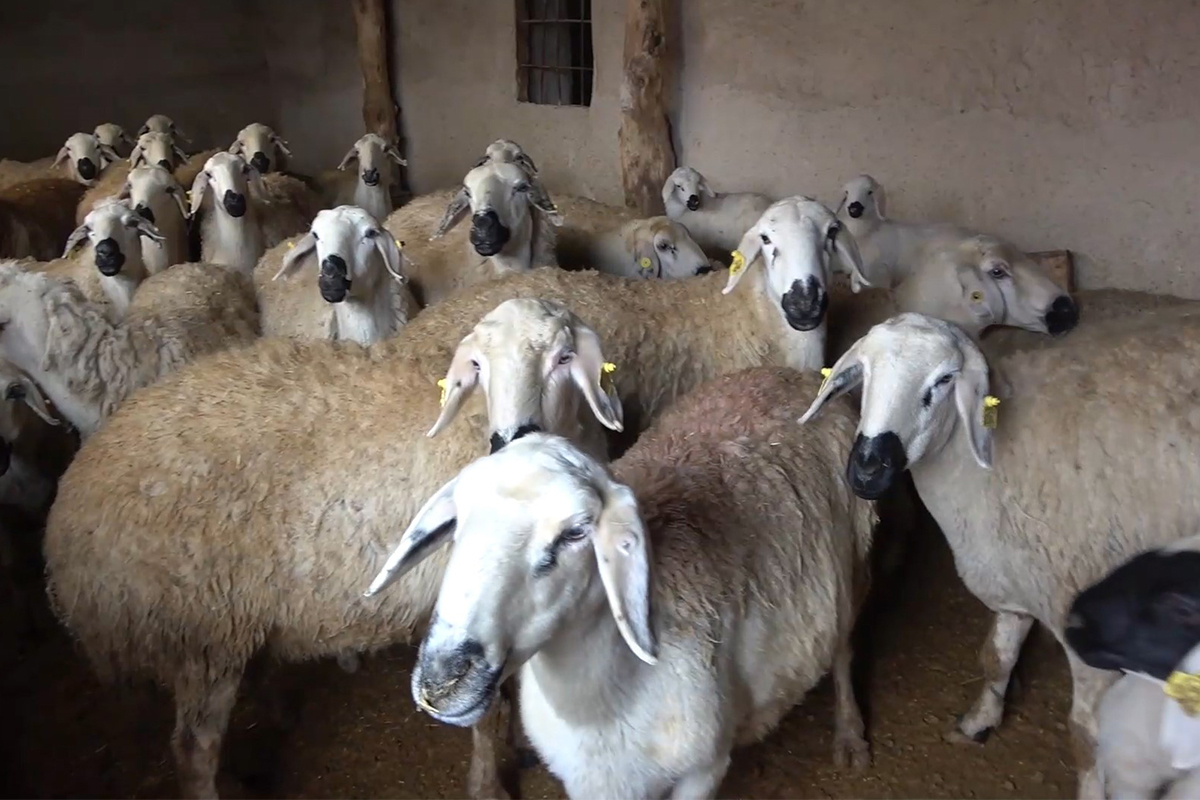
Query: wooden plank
{"x": 380, "y": 112}
{"x": 1061, "y": 266}
{"x": 644, "y": 139}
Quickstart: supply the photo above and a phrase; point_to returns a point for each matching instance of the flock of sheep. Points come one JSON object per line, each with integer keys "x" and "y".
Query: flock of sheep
{"x": 291, "y": 398}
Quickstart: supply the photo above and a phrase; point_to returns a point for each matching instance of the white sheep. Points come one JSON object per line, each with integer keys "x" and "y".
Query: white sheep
{"x": 85, "y": 157}
{"x": 659, "y": 614}
{"x": 242, "y": 213}
{"x": 88, "y": 365}
{"x": 353, "y": 287}
{"x": 261, "y": 147}
{"x": 154, "y": 194}
{"x": 37, "y": 216}
{"x": 1024, "y": 516}
{"x": 370, "y": 188}
{"x": 716, "y": 221}
{"x": 113, "y": 135}
{"x": 337, "y": 460}
{"x": 152, "y": 148}
{"x": 653, "y": 248}
{"x": 161, "y": 123}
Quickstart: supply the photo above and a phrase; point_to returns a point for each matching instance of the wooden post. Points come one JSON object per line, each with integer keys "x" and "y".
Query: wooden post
{"x": 381, "y": 115}
{"x": 647, "y": 155}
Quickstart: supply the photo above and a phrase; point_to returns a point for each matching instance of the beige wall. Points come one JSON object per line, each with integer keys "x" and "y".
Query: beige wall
{"x": 1072, "y": 123}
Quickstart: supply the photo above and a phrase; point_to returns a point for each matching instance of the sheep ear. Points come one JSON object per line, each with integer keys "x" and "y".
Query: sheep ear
{"x": 146, "y": 228}
{"x": 143, "y": 129}
{"x": 23, "y": 389}
{"x": 461, "y": 379}
{"x": 107, "y": 153}
{"x": 846, "y": 374}
{"x": 969, "y": 395}
{"x": 430, "y": 528}
{"x": 63, "y": 155}
{"x": 126, "y": 138}
{"x": 588, "y": 373}
{"x": 391, "y": 152}
{"x": 282, "y": 144}
{"x": 454, "y": 212}
{"x": 176, "y": 192}
{"x": 393, "y": 260}
{"x": 704, "y": 188}
{"x": 180, "y": 135}
{"x": 135, "y": 156}
{"x": 351, "y": 155}
{"x": 645, "y": 257}
{"x": 541, "y": 201}
{"x": 77, "y": 237}
{"x": 199, "y": 189}
{"x": 748, "y": 250}
{"x": 295, "y": 257}
{"x": 840, "y": 242}
{"x": 236, "y": 148}
{"x": 179, "y": 154}
{"x": 623, "y": 559}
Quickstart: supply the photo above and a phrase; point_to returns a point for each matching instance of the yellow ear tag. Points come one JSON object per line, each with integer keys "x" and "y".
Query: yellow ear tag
{"x": 645, "y": 263}
{"x": 976, "y": 296}
{"x": 1185, "y": 690}
{"x": 606, "y": 371}
{"x": 291, "y": 245}
{"x": 442, "y": 386}
{"x": 399, "y": 243}
{"x": 825, "y": 373}
{"x": 990, "y": 412}
{"x": 738, "y": 264}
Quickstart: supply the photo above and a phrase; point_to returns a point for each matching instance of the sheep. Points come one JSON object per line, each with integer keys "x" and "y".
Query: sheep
{"x": 1027, "y": 525}
{"x": 359, "y": 293}
{"x": 262, "y": 148}
{"x": 657, "y": 247}
{"x": 34, "y": 446}
{"x": 85, "y": 157}
{"x": 1144, "y": 618}
{"x": 732, "y": 561}
{"x": 88, "y": 365}
{"x": 512, "y": 230}
{"x": 156, "y": 196}
{"x": 193, "y": 165}
{"x": 242, "y": 214}
{"x": 715, "y": 221}
{"x": 114, "y": 268}
{"x": 37, "y": 216}
{"x": 113, "y": 135}
{"x": 161, "y": 123}
{"x": 300, "y": 490}
{"x": 371, "y": 186}
{"x": 151, "y": 148}
{"x": 12, "y": 172}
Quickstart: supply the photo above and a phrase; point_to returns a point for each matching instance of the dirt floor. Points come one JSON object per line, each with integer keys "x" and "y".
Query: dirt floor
{"x": 64, "y": 735}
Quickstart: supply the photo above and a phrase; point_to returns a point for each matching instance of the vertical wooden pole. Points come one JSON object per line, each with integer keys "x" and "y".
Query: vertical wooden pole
{"x": 647, "y": 155}
{"x": 381, "y": 114}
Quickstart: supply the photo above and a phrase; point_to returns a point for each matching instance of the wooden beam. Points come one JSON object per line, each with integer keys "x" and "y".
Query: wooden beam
{"x": 644, "y": 139}
{"x": 1061, "y": 266}
{"x": 381, "y": 115}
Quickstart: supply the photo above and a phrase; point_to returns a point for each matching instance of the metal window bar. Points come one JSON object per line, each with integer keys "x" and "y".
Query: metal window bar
{"x": 554, "y": 52}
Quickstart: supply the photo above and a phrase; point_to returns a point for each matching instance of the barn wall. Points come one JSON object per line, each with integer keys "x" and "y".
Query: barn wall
{"x": 1070, "y": 123}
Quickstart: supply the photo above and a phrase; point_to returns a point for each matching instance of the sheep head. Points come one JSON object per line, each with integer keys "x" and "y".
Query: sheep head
{"x": 662, "y": 248}
{"x": 863, "y": 198}
{"x": 115, "y": 137}
{"x": 151, "y": 187}
{"x": 371, "y": 153}
{"x": 355, "y": 255}
{"x": 87, "y": 157}
{"x": 262, "y": 147}
{"x": 156, "y": 148}
{"x": 114, "y": 231}
{"x": 161, "y": 123}
{"x": 685, "y": 190}
{"x": 535, "y": 525}
{"x": 228, "y": 180}
{"x": 502, "y": 199}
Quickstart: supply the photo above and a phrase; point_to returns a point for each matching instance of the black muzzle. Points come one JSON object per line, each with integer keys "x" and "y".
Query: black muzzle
{"x": 87, "y": 169}
{"x": 370, "y": 177}
{"x": 334, "y": 280}
{"x": 109, "y": 258}
{"x": 805, "y": 304}
{"x": 234, "y": 203}
{"x": 261, "y": 162}
{"x": 145, "y": 212}
{"x": 855, "y": 210}
{"x": 693, "y": 202}
{"x": 875, "y": 464}
{"x": 1062, "y": 316}
{"x": 488, "y": 234}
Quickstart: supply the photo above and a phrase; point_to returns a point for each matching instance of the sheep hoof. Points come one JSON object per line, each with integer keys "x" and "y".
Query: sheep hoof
{"x": 852, "y": 752}
{"x": 349, "y": 662}
{"x": 957, "y": 735}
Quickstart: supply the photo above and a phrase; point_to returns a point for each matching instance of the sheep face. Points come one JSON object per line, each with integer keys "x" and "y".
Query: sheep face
{"x": 114, "y": 230}
{"x": 261, "y": 147}
{"x": 348, "y": 245}
{"x": 161, "y": 123}
{"x": 371, "y": 154}
{"x": 910, "y": 368}
{"x": 115, "y": 137}
{"x": 685, "y": 189}
{"x": 795, "y": 239}
{"x": 86, "y": 155}
{"x": 543, "y": 536}
{"x": 150, "y": 187}
{"x": 1144, "y": 616}
{"x": 662, "y": 248}
{"x": 863, "y": 197}
{"x": 228, "y": 179}
{"x": 501, "y": 197}
{"x": 18, "y": 395}
{"x": 533, "y": 359}
{"x": 1029, "y": 297}
{"x": 158, "y": 149}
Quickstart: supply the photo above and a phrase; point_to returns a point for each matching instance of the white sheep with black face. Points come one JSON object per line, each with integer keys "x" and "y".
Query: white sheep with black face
{"x": 161, "y": 123}
{"x": 158, "y": 149}
{"x": 154, "y": 194}
{"x": 85, "y": 157}
{"x": 374, "y": 160}
{"x": 262, "y": 148}
{"x": 115, "y": 137}
{"x": 647, "y": 249}
{"x": 715, "y": 220}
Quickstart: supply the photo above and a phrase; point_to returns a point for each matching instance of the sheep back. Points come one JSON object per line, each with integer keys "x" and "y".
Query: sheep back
{"x": 37, "y": 216}
{"x": 107, "y": 186}
{"x": 583, "y": 221}
{"x": 186, "y": 172}
{"x": 288, "y": 206}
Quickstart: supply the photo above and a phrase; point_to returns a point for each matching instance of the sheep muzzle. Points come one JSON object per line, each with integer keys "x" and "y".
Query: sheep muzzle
{"x": 875, "y": 464}
{"x": 488, "y": 234}
{"x": 370, "y": 177}
{"x": 804, "y": 305}
{"x": 261, "y": 162}
{"x": 234, "y": 203}
{"x": 334, "y": 279}
{"x": 693, "y": 202}
{"x": 855, "y": 210}
{"x": 87, "y": 169}
{"x": 109, "y": 258}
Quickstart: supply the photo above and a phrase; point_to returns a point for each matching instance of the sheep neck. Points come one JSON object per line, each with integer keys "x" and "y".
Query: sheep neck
{"x": 173, "y": 226}
{"x": 232, "y": 242}
{"x": 800, "y": 350}
{"x": 517, "y": 255}
{"x": 119, "y": 288}
{"x": 369, "y": 317}
{"x": 377, "y": 200}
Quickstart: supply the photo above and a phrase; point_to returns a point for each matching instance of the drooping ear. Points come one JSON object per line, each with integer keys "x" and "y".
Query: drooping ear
{"x": 540, "y": 199}
{"x": 747, "y": 252}
{"x": 176, "y": 193}
{"x": 107, "y": 153}
{"x": 77, "y": 237}
{"x": 639, "y": 243}
{"x": 431, "y": 527}
{"x": 143, "y": 129}
{"x": 296, "y": 256}
{"x": 178, "y": 134}
{"x": 461, "y": 379}
{"x": 393, "y": 260}
{"x": 282, "y": 144}
{"x": 846, "y": 374}
{"x": 199, "y": 189}
{"x": 237, "y": 148}
{"x": 623, "y": 559}
{"x": 63, "y": 155}
{"x": 969, "y": 393}
{"x": 704, "y": 189}
{"x": 391, "y": 152}
{"x": 588, "y": 371}
{"x": 455, "y": 211}
{"x": 23, "y": 389}
{"x": 350, "y": 157}
{"x": 146, "y": 228}
{"x": 255, "y": 180}
{"x": 841, "y": 242}
{"x": 136, "y": 159}
{"x": 180, "y": 156}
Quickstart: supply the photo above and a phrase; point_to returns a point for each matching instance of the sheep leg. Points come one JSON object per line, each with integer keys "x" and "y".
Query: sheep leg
{"x": 850, "y": 748}
{"x": 1088, "y": 687}
{"x": 998, "y": 658}
{"x": 491, "y": 733}
{"x": 203, "y": 703}
{"x": 701, "y": 783}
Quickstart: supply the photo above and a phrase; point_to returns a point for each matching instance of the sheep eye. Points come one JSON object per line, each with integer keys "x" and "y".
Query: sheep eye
{"x": 315, "y": 237}
{"x": 372, "y": 233}
{"x": 521, "y": 187}
{"x": 475, "y": 365}
{"x": 870, "y": 192}
{"x": 565, "y": 358}
{"x": 575, "y": 533}
{"x": 664, "y": 246}
{"x": 997, "y": 272}
{"x": 942, "y": 381}
{"x": 466, "y": 192}
{"x": 765, "y": 239}
{"x": 15, "y": 391}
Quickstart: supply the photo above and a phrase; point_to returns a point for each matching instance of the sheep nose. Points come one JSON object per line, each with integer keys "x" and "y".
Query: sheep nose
{"x": 371, "y": 177}
{"x": 235, "y": 203}
{"x": 87, "y": 169}
{"x": 855, "y": 210}
{"x": 488, "y": 234}
{"x": 693, "y": 202}
{"x": 261, "y": 162}
{"x": 145, "y": 212}
{"x": 453, "y": 682}
{"x": 109, "y": 258}
{"x": 1062, "y": 316}
{"x": 804, "y": 304}
{"x": 334, "y": 279}
{"x": 874, "y": 464}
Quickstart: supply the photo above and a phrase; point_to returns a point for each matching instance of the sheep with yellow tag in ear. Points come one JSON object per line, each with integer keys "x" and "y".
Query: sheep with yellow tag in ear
{"x": 1072, "y": 478}
{"x": 653, "y": 248}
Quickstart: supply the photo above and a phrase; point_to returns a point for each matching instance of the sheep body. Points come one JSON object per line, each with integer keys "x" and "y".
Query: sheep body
{"x": 657, "y": 247}
{"x": 12, "y": 171}
{"x": 720, "y": 219}
{"x": 37, "y": 216}
{"x": 586, "y": 221}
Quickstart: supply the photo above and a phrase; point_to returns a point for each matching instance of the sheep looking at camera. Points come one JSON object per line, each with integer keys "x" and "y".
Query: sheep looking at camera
{"x": 85, "y": 157}
{"x": 154, "y": 194}
{"x": 262, "y": 148}
{"x": 717, "y": 221}
{"x": 151, "y": 148}
{"x": 375, "y": 162}
{"x": 115, "y": 137}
